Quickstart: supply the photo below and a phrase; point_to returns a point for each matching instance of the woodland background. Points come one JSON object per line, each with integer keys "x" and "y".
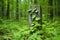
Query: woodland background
{"x": 14, "y": 24}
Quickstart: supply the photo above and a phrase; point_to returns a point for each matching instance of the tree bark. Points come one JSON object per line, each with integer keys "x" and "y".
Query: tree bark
{"x": 2, "y": 15}
{"x": 8, "y": 7}
{"x": 17, "y": 11}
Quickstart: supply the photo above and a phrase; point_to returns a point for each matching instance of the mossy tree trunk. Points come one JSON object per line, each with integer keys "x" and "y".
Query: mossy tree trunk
{"x": 8, "y": 9}
{"x": 2, "y": 9}
{"x": 17, "y": 9}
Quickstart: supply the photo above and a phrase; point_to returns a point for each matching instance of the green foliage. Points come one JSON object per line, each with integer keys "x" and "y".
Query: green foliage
{"x": 11, "y": 29}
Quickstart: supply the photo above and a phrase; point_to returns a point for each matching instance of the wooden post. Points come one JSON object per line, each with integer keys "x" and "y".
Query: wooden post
{"x": 38, "y": 15}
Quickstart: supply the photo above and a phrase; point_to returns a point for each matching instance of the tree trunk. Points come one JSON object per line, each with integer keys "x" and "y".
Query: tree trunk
{"x": 2, "y": 15}
{"x": 8, "y": 7}
{"x": 17, "y": 11}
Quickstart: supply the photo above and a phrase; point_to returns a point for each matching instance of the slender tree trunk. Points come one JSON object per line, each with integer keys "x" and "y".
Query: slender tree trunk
{"x": 8, "y": 7}
{"x": 20, "y": 8}
{"x": 17, "y": 11}
{"x": 2, "y": 15}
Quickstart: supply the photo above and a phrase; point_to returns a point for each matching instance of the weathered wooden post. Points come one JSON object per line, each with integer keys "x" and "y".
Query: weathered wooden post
{"x": 34, "y": 11}
{"x": 30, "y": 17}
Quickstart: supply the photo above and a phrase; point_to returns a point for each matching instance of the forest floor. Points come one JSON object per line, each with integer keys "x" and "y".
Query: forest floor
{"x": 17, "y": 30}
{"x": 12, "y": 29}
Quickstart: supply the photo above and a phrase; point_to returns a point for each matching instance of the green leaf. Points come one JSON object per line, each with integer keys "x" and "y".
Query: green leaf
{"x": 37, "y": 19}
{"x": 33, "y": 16}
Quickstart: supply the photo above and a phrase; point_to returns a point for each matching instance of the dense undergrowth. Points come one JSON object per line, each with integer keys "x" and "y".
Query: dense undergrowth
{"x": 16, "y": 27}
{"x": 13, "y": 30}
